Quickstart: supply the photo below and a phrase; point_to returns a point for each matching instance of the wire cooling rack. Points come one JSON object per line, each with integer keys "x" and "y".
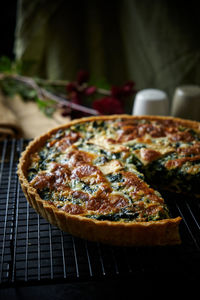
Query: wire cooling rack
{"x": 33, "y": 252}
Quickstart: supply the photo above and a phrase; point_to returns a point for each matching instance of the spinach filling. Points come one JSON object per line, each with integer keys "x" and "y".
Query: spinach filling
{"x": 100, "y": 160}
{"x": 195, "y": 134}
{"x": 81, "y": 185}
{"x": 115, "y": 177}
{"x": 176, "y": 179}
{"x": 132, "y": 159}
{"x": 99, "y": 125}
{"x": 60, "y": 133}
{"x": 46, "y": 156}
{"x": 32, "y": 172}
{"x": 125, "y": 215}
{"x": 136, "y": 146}
{"x": 45, "y": 194}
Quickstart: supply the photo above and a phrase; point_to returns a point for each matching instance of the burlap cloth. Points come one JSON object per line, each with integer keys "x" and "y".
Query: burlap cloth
{"x": 24, "y": 119}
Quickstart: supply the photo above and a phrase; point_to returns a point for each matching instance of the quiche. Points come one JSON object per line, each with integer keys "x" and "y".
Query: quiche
{"x": 101, "y": 178}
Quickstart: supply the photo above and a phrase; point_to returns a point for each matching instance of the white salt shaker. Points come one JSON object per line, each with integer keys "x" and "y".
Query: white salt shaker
{"x": 186, "y": 102}
{"x": 151, "y": 102}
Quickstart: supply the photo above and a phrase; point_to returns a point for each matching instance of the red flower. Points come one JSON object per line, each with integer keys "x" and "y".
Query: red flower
{"x": 71, "y": 87}
{"x": 82, "y": 77}
{"x": 108, "y": 105}
{"x": 90, "y": 90}
{"x": 73, "y": 93}
{"x": 76, "y": 98}
{"x": 128, "y": 88}
{"x": 78, "y": 89}
{"x": 123, "y": 91}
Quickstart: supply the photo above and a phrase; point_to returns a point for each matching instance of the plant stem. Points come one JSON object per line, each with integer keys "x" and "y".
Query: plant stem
{"x": 43, "y": 93}
{"x": 64, "y": 83}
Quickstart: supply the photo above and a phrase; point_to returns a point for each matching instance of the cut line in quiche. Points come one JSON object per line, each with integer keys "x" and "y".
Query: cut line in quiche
{"x": 100, "y": 178}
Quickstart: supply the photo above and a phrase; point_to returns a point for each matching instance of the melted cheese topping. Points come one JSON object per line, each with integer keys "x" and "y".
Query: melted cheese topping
{"x": 98, "y": 169}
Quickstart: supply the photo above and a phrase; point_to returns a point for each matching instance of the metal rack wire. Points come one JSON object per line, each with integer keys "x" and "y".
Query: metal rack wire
{"x": 33, "y": 252}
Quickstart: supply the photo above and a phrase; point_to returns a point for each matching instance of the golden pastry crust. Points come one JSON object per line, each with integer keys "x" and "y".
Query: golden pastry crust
{"x": 160, "y": 232}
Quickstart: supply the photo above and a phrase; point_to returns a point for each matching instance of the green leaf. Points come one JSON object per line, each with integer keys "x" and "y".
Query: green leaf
{"x": 22, "y": 67}
{"x": 5, "y": 64}
{"x": 48, "y": 107}
{"x": 12, "y": 87}
{"x": 18, "y": 66}
{"x": 100, "y": 83}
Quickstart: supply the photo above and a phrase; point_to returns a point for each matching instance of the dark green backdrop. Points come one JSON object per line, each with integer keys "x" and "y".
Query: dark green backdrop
{"x": 154, "y": 43}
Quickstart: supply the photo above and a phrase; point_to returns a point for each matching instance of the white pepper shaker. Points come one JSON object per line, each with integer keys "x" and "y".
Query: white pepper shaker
{"x": 186, "y": 102}
{"x": 151, "y": 102}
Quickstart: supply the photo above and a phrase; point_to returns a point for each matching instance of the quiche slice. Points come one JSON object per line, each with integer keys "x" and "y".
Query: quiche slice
{"x": 93, "y": 177}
